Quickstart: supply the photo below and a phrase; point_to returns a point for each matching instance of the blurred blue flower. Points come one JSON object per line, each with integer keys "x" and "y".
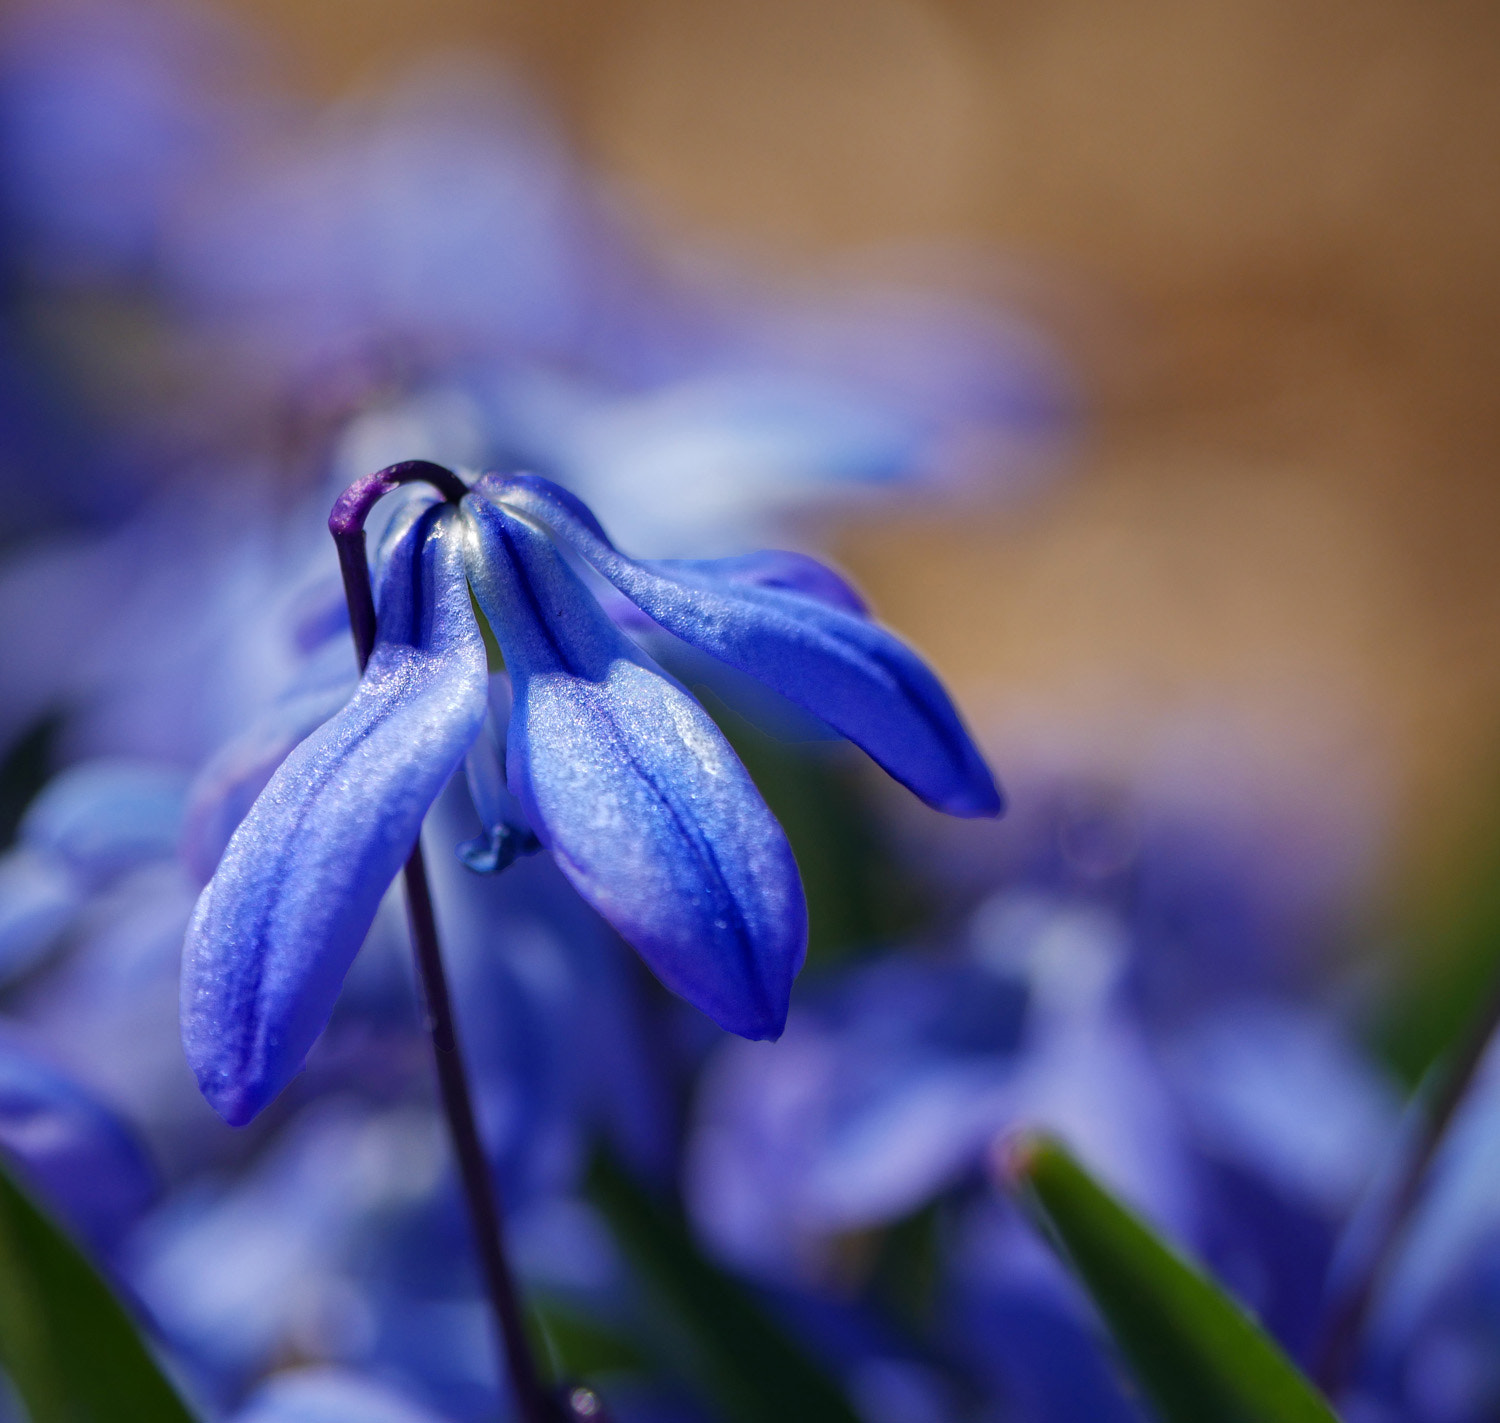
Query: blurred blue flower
{"x": 71, "y": 1146}
{"x": 891, "y": 1086}
{"x": 329, "y": 1396}
{"x": 88, "y": 827}
{"x": 1431, "y": 1348}
{"x": 235, "y": 1275}
{"x": 618, "y": 771}
{"x": 110, "y": 114}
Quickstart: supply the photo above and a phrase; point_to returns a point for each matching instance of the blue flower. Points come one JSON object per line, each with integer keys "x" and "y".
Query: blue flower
{"x": 619, "y": 772}
{"x": 328, "y": 1395}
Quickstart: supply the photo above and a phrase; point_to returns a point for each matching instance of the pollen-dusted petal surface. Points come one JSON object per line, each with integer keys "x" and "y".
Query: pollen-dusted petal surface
{"x": 635, "y": 792}
{"x": 772, "y": 568}
{"x": 277, "y": 927}
{"x": 796, "y": 634}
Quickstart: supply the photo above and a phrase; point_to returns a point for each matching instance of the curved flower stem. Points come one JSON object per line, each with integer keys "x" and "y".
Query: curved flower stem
{"x": 347, "y": 525}
{"x": 1447, "y": 1087}
{"x": 534, "y": 1405}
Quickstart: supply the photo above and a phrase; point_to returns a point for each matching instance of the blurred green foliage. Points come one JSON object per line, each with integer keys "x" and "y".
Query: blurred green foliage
{"x": 70, "y": 1347}
{"x": 1450, "y": 931}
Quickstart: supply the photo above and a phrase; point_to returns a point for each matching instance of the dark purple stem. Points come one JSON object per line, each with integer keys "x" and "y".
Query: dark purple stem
{"x": 1350, "y": 1308}
{"x": 347, "y": 525}
{"x": 532, "y": 1401}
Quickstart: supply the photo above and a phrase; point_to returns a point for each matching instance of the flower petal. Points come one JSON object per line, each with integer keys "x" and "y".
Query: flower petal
{"x": 773, "y": 568}
{"x": 40, "y": 896}
{"x": 635, "y": 792}
{"x": 821, "y": 654}
{"x": 280, "y": 922}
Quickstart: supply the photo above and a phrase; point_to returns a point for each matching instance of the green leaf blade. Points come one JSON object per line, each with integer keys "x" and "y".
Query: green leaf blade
{"x": 70, "y": 1347}
{"x": 1195, "y": 1352}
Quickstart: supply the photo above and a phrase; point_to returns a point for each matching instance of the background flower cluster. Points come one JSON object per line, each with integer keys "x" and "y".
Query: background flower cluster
{"x": 219, "y": 304}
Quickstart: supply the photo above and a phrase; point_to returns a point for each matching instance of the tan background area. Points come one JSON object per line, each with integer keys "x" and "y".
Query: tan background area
{"x": 1265, "y": 233}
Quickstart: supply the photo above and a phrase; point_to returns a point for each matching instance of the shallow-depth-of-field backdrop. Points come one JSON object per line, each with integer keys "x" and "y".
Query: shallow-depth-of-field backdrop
{"x": 1136, "y": 365}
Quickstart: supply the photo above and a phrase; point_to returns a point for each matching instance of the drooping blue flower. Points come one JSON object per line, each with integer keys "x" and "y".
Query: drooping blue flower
{"x": 619, "y": 772}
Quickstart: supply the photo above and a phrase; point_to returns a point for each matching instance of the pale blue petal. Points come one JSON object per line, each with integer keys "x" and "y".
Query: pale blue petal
{"x": 326, "y": 1395}
{"x": 280, "y": 922}
{"x": 40, "y": 897}
{"x": 102, "y": 818}
{"x": 635, "y": 792}
{"x": 830, "y": 660}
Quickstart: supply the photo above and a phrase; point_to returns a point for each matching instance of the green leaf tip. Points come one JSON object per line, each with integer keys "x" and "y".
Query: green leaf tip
{"x": 1195, "y": 1352}
{"x": 71, "y": 1349}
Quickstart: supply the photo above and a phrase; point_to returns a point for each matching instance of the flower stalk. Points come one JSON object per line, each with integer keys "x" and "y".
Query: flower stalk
{"x": 347, "y": 525}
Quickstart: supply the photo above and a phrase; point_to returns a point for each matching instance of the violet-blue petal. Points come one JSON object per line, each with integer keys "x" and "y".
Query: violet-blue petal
{"x": 773, "y": 568}
{"x": 859, "y": 678}
{"x": 280, "y": 922}
{"x": 635, "y": 792}
{"x": 753, "y": 699}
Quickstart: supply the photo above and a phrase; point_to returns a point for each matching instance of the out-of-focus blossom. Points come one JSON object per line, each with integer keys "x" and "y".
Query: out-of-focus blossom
{"x": 124, "y": 636}
{"x": 329, "y": 1396}
{"x": 1242, "y": 1122}
{"x": 892, "y": 1091}
{"x": 1430, "y": 1353}
{"x": 347, "y": 1242}
{"x": 111, "y": 115}
{"x": 104, "y": 1006}
{"x": 238, "y": 1275}
{"x": 445, "y": 222}
{"x": 71, "y": 1147}
{"x": 1291, "y": 1120}
{"x": 91, "y": 825}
